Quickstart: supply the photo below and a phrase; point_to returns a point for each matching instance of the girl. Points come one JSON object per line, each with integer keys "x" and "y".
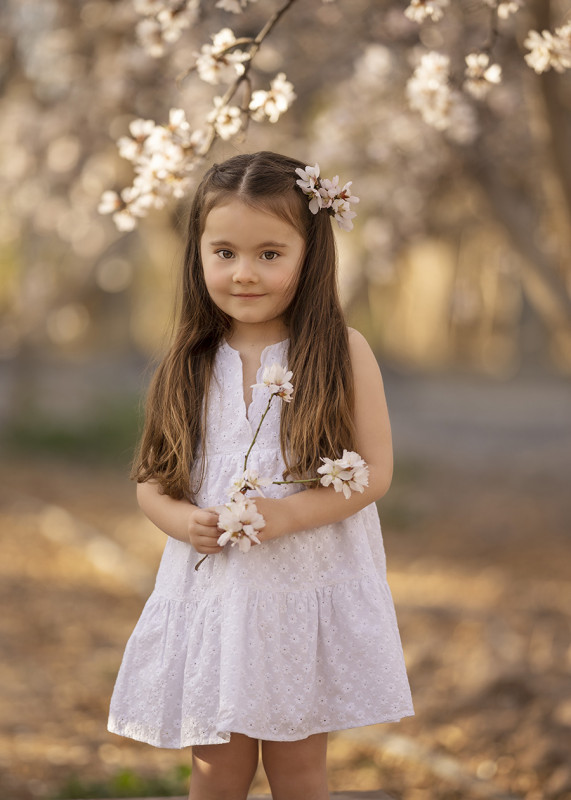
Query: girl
{"x": 298, "y": 636}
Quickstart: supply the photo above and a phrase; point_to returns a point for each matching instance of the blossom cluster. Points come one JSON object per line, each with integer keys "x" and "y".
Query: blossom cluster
{"x": 233, "y": 6}
{"x": 239, "y": 519}
{"x": 429, "y": 91}
{"x": 346, "y": 474}
{"x": 241, "y": 522}
{"x": 163, "y": 157}
{"x": 273, "y": 103}
{"x": 329, "y": 195}
{"x": 164, "y": 21}
{"x": 549, "y": 50}
{"x": 420, "y": 10}
{"x": 221, "y": 62}
{"x": 505, "y": 7}
{"x": 480, "y": 74}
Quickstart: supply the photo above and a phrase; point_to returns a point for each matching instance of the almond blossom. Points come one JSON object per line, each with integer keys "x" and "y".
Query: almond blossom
{"x": 165, "y": 20}
{"x": 505, "y": 7}
{"x": 480, "y": 74}
{"x": 250, "y": 480}
{"x": 227, "y": 120}
{"x": 240, "y": 521}
{"x": 277, "y": 379}
{"x": 272, "y": 104}
{"x": 218, "y": 62}
{"x": 420, "y": 10}
{"x": 327, "y": 194}
{"x": 308, "y": 183}
{"x": 164, "y": 157}
{"x": 549, "y": 50}
{"x": 233, "y": 6}
{"x": 429, "y": 92}
{"x": 346, "y": 474}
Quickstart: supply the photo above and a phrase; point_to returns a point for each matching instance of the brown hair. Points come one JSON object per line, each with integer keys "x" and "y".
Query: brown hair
{"x": 319, "y": 420}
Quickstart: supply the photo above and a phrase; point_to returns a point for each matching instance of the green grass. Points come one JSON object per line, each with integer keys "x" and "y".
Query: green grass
{"x": 128, "y": 784}
{"x": 109, "y": 435}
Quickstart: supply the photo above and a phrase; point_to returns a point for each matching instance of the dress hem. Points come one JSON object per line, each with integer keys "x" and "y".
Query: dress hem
{"x": 222, "y": 737}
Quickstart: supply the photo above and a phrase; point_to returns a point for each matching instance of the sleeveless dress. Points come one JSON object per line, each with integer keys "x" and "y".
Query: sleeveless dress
{"x": 298, "y": 636}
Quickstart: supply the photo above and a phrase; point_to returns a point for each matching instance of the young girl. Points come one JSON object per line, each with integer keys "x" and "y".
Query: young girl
{"x": 297, "y": 636}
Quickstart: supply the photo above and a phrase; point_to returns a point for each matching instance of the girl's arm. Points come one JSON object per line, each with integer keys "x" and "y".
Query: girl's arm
{"x": 179, "y": 519}
{"x": 323, "y": 505}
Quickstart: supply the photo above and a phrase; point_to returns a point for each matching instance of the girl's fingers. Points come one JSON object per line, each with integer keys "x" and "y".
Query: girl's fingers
{"x": 207, "y": 517}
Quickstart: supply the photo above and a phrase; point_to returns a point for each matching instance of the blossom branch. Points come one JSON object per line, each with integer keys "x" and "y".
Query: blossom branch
{"x": 165, "y": 156}
{"x": 257, "y": 431}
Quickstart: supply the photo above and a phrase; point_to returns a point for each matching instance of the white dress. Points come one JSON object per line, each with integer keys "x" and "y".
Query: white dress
{"x": 298, "y": 636}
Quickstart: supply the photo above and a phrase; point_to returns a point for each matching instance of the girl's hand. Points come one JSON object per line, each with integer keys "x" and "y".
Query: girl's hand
{"x": 203, "y": 530}
{"x": 273, "y": 513}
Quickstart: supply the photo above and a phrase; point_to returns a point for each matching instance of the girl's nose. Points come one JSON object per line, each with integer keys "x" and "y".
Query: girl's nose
{"x": 244, "y": 272}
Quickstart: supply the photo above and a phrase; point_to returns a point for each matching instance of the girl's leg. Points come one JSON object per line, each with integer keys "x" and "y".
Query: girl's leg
{"x": 223, "y": 771}
{"x": 297, "y": 769}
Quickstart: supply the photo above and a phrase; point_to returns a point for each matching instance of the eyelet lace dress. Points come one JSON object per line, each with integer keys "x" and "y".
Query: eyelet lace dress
{"x": 298, "y": 636}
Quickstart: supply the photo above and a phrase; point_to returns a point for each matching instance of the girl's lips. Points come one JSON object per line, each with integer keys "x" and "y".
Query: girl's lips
{"x": 247, "y": 295}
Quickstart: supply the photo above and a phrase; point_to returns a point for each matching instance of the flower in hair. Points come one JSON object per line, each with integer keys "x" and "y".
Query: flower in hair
{"x": 328, "y": 194}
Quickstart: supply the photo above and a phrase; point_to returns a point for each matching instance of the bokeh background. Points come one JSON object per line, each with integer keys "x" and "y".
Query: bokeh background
{"x": 459, "y": 274}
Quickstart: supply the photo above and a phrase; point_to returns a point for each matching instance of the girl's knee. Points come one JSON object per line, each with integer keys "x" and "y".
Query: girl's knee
{"x": 223, "y": 771}
{"x": 297, "y": 767}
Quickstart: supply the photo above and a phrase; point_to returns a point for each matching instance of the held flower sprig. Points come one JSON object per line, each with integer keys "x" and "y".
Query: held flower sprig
{"x": 328, "y": 194}
{"x": 239, "y": 519}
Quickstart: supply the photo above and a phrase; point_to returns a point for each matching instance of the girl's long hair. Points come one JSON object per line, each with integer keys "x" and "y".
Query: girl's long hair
{"x": 319, "y": 420}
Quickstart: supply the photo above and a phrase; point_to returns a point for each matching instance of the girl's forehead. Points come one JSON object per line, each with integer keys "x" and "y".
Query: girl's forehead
{"x": 233, "y": 214}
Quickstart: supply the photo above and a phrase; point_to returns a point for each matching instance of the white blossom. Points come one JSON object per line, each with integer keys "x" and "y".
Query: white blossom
{"x": 233, "y": 6}
{"x": 420, "y": 10}
{"x": 441, "y": 107}
{"x": 342, "y": 212}
{"x": 308, "y": 183}
{"x": 216, "y": 63}
{"x": 549, "y": 50}
{"x": 277, "y": 379}
{"x": 505, "y": 7}
{"x": 110, "y": 202}
{"x": 150, "y": 35}
{"x": 240, "y": 522}
{"x": 249, "y": 480}
{"x": 227, "y": 120}
{"x": 272, "y": 104}
{"x": 164, "y": 157}
{"x": 480, "y": 74}
{"x": 346, "y": 474}
{"x": 164, "y": 21}
{"x": 325, "y": 193}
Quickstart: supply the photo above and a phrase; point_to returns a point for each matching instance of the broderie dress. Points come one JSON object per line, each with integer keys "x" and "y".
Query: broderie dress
{"x": 298, "y": 636}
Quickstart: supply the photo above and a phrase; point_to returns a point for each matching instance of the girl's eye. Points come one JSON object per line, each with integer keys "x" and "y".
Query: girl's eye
{"x": 224, "y": 254}
{"x": 269, "y": 255}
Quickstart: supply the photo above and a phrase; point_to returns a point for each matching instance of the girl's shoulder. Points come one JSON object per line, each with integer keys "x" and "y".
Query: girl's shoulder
{"x": 363, "y": 361}
{"x": 359, "y": 347}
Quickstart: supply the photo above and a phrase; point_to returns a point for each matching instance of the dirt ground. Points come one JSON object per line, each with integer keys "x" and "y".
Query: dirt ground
{"x": 480, "y": 568}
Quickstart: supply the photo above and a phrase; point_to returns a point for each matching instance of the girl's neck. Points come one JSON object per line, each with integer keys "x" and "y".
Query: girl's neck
{"x": 250, "y": 339}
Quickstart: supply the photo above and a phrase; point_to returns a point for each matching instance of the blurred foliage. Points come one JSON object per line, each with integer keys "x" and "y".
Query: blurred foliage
{"x": 128, "y": 784}
{"x": 108, "y": 435}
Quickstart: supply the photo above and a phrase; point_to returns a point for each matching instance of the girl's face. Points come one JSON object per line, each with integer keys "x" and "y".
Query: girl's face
{"x": 251, "y": 262}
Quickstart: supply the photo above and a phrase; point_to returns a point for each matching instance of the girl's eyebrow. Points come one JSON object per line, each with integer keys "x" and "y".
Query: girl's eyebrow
{"x": 226, "y": 243}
